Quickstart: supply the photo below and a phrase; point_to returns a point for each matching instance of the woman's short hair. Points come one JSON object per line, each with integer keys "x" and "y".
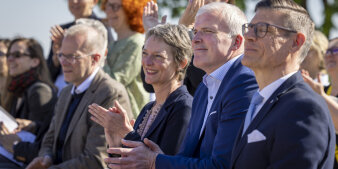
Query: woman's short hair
{"x": 35, "y": 50}
{"x": 134, "y": 12}
{"x": 177, "y": 37}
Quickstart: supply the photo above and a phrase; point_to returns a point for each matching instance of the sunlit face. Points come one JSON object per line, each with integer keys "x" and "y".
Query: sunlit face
{"x": 81, "y": 8}
{"x": 331, "y": 59}
{"x": 211, "y": 43}
{"x": 271, "y": 51}
{"x": 158, "y": 62}
{"x": 82, "y": 67}
{"x": 116, "y": 16}
{"x": 3, "y": 60}
{"x": 22, "y": 63}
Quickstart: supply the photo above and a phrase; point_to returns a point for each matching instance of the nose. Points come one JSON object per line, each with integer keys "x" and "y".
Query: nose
{"x": 74, "y": 1}
{"x": 196, "y": 38}
{"x": 250, "y": 34}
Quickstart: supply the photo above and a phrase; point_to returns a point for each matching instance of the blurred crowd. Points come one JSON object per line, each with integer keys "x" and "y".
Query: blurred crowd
{"x": 212, "y": 91}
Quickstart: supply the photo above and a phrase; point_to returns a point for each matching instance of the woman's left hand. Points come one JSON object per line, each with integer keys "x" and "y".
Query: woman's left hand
{"x": 25, "y": 124}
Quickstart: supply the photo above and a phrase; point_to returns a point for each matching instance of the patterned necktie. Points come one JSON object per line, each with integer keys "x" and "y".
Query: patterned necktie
{"x": 256, "y": 100}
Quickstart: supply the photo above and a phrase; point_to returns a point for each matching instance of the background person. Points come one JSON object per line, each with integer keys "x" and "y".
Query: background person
{"x": 124, "y": 55}
{"x": 4, "y": 43}
{"x": 31, "y": 98}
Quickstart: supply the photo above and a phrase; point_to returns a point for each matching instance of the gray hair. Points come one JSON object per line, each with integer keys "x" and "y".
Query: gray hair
{"x": 231, "y": 15}
{"x": 296, "y": 17}
{"x": 96, "y": 34}
{"x": 177, "y": 37}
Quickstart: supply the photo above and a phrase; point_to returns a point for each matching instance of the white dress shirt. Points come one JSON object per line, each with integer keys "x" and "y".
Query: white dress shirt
{"x": 85, "y": 84}
{"x": 213, "y": 82}
{"x": 268, "y": 90}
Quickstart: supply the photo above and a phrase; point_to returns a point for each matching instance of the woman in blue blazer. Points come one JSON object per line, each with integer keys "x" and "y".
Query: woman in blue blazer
{"x": 165, "y": 57}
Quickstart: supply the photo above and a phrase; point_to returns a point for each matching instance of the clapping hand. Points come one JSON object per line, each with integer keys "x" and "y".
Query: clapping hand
{"x": 114, "y": 120}
{"x": 150, "y": 16}
{"x": 188, "y": 17}
{"x": 57, "y": 34}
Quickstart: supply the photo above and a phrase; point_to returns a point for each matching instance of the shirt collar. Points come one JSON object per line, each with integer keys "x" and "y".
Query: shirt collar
{"x": 267, "y": 91}
{"x": 219, "y": 73}
{"x": 85, "y": 84}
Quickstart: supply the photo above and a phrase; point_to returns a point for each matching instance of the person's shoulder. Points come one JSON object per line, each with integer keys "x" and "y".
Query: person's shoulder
{"x": 136, "y": 39}
{"x": 108, "y": 83}
{"x": 39, "y": 87}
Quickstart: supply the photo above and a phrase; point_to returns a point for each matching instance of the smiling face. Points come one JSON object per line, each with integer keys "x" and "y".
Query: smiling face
{"x": 270, "y": 52}
{"x": 22, "y": 63}
{"x": 211, "y": 43}
{"x": 116, "y": 15}
{"x": 331, "y": 59}
{"x": 158, "y": 62}
{"x": 81, "y": 8}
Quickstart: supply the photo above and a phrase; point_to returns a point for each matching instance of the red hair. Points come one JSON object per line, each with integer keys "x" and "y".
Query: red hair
{"x": 134, "y": 11}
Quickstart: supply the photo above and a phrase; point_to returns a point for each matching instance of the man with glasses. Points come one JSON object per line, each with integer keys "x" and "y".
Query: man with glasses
{"x": 287, "y": 124}
{"x": 220, "y": 101}
{"x": 73, "y": 140}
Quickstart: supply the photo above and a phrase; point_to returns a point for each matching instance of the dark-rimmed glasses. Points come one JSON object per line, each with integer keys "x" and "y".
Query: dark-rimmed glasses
{"x": 113, "y": 6}
{"x": 16, "y": 54}
{"x": 332, "y": 51}
{"x": 262, "y": 28}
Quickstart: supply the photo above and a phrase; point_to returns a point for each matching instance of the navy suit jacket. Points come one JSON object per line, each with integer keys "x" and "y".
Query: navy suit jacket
{"x": 170, "y": 125}
{"x": 213, "y": 150}
{"x": 298, "y": 131}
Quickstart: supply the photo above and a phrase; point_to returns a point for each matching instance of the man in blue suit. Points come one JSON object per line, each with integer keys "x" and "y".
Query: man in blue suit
{"x": 220, "y": 102}
{"x": 287, "y": 124}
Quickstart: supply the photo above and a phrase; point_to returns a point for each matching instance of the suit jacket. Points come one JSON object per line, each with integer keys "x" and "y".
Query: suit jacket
{"x": 37, "y": 105}
{"x": 213, "y": 149}
{"x": 85, "y": 145}
{"x": 169, "y": 127}
{"x": 298, "y": 131}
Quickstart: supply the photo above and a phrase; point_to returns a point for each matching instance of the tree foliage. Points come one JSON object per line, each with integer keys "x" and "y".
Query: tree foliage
{"x": 177, "y": 7}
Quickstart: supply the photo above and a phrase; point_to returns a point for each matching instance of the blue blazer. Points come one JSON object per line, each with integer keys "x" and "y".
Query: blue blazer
{"x": 213, "y": 150}
{"x": 169, "y": 127}
{"x": 298, "y": 131}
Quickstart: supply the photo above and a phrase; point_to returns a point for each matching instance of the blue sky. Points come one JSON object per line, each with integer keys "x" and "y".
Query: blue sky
{"x": 34, "y": 18}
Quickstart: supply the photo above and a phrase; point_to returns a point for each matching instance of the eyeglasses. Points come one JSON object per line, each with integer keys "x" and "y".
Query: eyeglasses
{"x": 332, "y": 51}
{"x": 71, "y": 58}
{"x": 262, "y": 28}
{"x": 16, "y": 54}
{"x": 114, "y": 6}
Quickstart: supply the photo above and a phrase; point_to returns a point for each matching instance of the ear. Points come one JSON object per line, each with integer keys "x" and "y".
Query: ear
{"x": 238, "y": 42}
{"x": 298, "y": 42}
{"x": 184, "y": 63}
{"x": 35, "y": 62}
{"x": 96, "y": 58}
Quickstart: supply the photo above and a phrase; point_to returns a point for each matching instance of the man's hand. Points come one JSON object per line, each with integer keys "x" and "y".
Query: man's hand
{"x": 40, "y": 163}
{"x": 150, "y": 16}
{"x": 138, "y": 156}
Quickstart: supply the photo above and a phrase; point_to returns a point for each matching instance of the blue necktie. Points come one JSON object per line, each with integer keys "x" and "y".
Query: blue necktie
{"x": 256, "y": 100}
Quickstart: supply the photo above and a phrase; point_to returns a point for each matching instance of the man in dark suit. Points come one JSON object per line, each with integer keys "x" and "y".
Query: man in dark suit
{"x": 73, "y": 140}
{"x": 287, "y": 124}
{"x": 219, "y": 104}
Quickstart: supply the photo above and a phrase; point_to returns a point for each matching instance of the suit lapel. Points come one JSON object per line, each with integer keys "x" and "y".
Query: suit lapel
{"x": 268, "y": 105}
{"x": 85, "y": 101}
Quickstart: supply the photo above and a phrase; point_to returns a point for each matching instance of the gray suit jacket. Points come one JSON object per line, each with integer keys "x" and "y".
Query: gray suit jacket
{"x": 85, "y": 145}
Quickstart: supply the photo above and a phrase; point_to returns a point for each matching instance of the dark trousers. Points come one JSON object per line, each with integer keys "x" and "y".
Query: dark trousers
{"x": 6, "y": 164}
